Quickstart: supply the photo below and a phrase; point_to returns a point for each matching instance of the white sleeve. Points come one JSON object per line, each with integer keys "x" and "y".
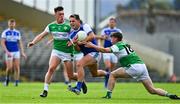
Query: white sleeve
{"x": 120, "y": 31}
{"x": 3, "y": 35}
{"x": 47, "y": 29}
{"x": 114, "y": 48}
{"x": 102, "y": 32}
{"x": 87, "y": 28}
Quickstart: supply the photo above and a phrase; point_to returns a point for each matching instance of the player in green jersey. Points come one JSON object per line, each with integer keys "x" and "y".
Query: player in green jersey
{"x": 132, "y": 66}
{"x": 60, "y": 30}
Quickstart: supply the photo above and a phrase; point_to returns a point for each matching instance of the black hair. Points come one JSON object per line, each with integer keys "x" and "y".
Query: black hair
{"x": 59, "y": 8}
{"x": 76, "y": 16}
{"x": 117, "y": 35}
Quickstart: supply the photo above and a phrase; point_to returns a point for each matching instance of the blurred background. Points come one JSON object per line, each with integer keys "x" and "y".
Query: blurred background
{"x": 150, "y": 26}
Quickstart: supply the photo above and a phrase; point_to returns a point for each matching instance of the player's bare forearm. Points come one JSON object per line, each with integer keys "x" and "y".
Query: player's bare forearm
{"x": 100, "y": 37}
{"x": 21, "y": 46}
{"x": 4, "y": 46}
{"x": 98, "y": 48}
{"x": 102, "y": 49}
{"x": 37, "y": 39}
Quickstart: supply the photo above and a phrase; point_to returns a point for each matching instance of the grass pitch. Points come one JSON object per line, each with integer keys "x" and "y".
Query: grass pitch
{"x": 124, "y": 93}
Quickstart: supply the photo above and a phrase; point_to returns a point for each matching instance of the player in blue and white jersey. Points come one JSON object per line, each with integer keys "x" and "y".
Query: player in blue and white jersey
{"x": 110, "y": 60}
{"x": 13, "y": 47}
{"x": 91, "y": 56}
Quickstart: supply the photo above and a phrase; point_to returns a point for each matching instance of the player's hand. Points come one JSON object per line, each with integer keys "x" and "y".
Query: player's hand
{"x": 69, "y": 43}
{"x": 8, "y": 54}
{"x": 30, "y": 44}
{"x": 48, "y": 43}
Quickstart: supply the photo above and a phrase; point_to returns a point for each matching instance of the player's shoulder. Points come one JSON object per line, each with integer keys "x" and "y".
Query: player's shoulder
{"x": 51, "y": 23}
{"x": 106, "y": 28}
{"x": 119, "y": 30}
{"x": 16, "y": 30}
{"x": 5, "y": 30}
{"x": 85, "y": 25}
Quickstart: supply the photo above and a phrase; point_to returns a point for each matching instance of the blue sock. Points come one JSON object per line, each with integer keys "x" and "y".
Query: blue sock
{"x": 106, "y": 78}
{"x": 79, "y": 85}
{"x": 17, "y": 81}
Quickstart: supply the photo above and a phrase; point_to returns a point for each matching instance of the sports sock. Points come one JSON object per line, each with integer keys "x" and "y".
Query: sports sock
{"x": 106, "y": 78}
{"x": 168, "y": 94}
{"x": 46, "y": 86}
{"x": 7, "y": 78}
{"x": 79, "y": 85}
{"x": 109, "y": 93}
{"x": 17, "y": 81}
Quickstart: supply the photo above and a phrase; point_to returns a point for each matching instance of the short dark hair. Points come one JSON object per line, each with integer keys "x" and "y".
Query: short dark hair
{"x": 59, "y": 8}
{"x": 76, "y": 16}
{"x": 12, "y": 20}
{"x": 112, "y": 18}
{"x": 117, "y": 35}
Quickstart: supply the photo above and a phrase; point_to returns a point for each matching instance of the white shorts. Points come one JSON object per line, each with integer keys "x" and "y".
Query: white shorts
{"x": 63, "y": 56}
{"x": 111, "y": 57}
{"x": 95, "y": 55}
{"x": 138, "y": 72}
{"x": 14, "y": 55}
{"x": 78, "y": 56}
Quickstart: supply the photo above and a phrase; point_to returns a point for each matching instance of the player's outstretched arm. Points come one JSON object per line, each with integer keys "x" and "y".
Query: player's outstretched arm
{"x": 98, "y": 48}
{"x": 37, "y": 39}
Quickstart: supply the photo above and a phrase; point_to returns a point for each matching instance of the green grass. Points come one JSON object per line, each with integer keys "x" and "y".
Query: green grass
{"x": 124, "y": 93}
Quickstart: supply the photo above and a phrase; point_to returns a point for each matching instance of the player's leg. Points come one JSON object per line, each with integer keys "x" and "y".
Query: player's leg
{"x": 68, "y": 67}
{"x": 110, "y": 61}
{"x": 16, "y": 66}
{"x": 9, "y": 67}
{"x": 53, "y": 63}
{"x": 118, "y": 73}
{"x": 95, "y": 72}
{"x": 66, "y": 78}
{"x": 152, "y": 90}
{"x": 86, "y": 60}
{"x": 77, "y": 57}
{"x": 142, "y": 75}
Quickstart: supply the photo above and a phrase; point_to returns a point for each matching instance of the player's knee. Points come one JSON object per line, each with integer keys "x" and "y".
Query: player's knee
{"x": 9, "y": 67}
{"x": 51, "y": 70}
{"x": 112, "y": 75}
{"x": 79, "y": 65}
